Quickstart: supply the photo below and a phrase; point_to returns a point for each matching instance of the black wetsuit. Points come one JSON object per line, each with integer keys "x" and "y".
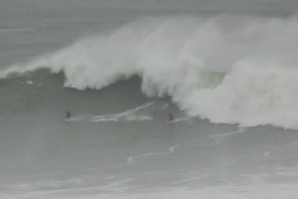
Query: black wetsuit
{"x": 67, "y": 116}
{"x": 171, "y": 117}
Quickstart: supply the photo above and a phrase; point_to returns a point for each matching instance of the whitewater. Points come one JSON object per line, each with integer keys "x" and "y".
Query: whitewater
{"x": 226, "y": 70}
{"x": 244, "y": 75}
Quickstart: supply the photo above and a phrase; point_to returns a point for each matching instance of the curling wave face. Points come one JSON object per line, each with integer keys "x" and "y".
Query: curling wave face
{"x": 227, "y": 68}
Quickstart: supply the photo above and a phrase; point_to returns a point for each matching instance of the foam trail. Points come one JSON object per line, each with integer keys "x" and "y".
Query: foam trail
{"x": 110, "y": 187}
{"x": 186, "y": 180}
{"x": 45, "y": 185}
{"x": 227, "y": 68}
{"x": 219, "y": 137}
{"x": 129, "y": 115}
{"x": 131, "y": 159}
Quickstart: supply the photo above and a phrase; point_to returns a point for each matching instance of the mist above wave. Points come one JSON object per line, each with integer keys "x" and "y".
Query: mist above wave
{"x": 227, "y": 68}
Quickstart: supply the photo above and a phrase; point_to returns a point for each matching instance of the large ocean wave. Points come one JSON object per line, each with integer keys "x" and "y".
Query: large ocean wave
{"x": 227, "y": 68}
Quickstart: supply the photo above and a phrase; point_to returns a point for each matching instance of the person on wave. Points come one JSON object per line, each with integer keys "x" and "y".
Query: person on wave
{"x": 171, "y": 118}
{"x": 68, "y": 115}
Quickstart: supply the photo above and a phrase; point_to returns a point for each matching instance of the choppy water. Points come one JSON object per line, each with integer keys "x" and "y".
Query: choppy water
{"x": 227, "y": 71}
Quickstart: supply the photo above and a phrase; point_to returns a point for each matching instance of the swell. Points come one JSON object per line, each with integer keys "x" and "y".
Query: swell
{"x": 42, "y": 91}
{"x": 227, "y": 68}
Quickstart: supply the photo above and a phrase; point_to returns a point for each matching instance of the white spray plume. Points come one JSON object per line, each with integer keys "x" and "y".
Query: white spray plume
{"x": 228, "y": 68}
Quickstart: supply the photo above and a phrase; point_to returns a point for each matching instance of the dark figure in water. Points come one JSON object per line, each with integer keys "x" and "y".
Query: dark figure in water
{"x": 171, "y": 117}
{"x": 68, "y": 115}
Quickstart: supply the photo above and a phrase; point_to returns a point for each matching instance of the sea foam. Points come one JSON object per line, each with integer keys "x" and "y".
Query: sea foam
{"x": 226, "y": 68}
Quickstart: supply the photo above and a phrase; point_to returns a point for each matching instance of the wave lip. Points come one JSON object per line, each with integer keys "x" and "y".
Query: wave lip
{"x": 227, "y": 68}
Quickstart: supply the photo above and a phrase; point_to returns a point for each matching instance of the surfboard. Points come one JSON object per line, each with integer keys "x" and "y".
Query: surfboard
{"x": 73, "y": 120}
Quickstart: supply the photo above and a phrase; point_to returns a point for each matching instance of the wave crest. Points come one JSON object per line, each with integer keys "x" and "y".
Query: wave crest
{"x": 228, "y": 68}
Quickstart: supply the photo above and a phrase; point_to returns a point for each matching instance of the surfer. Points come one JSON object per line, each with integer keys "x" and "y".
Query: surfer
{"x": 171, "y": 118}
{"x": 68, "y": 115}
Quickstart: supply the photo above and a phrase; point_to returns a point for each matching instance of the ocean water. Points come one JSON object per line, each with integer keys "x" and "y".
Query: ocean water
{"x": 227, "y": 70}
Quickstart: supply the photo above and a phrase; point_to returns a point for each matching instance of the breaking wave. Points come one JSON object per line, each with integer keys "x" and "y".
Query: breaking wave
{"x": 227, "y": 68}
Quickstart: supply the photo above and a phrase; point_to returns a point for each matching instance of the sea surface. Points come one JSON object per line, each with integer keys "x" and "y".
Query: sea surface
{"x": 227, "y": 71}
